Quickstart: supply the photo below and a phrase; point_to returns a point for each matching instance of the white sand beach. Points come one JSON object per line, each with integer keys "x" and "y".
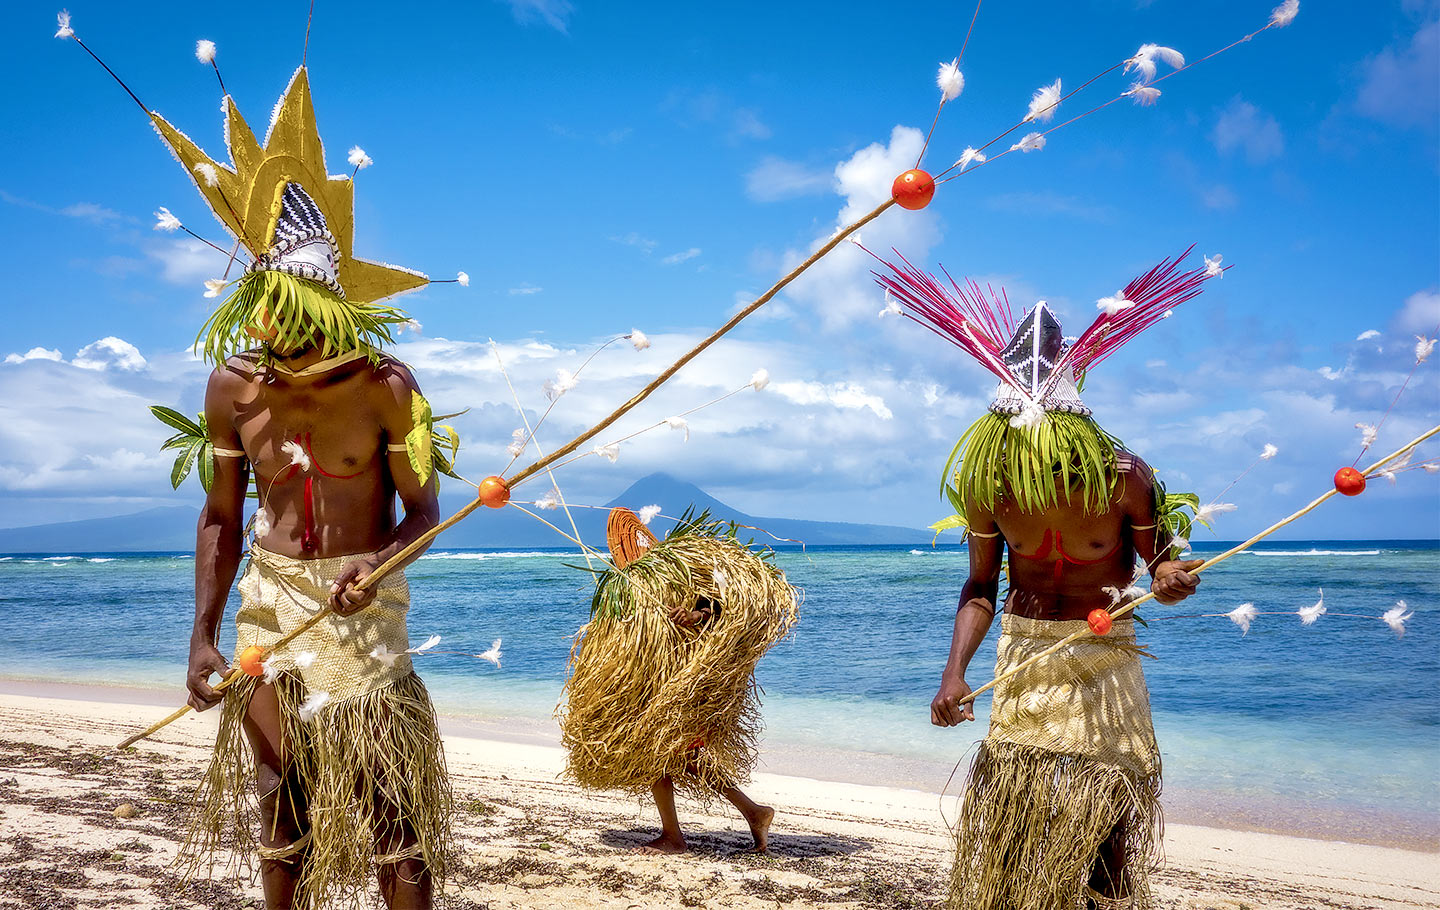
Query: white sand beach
{"x": 533, "y": 840}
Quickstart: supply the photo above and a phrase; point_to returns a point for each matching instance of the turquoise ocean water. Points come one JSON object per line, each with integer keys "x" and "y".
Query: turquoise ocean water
{"x": 1338, "y": 722}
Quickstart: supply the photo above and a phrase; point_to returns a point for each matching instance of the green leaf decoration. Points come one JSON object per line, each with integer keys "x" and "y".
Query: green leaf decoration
{"x": 948, "y": 524}
{"x": 183, "y": 463}
{"x": 177, "y": 421}
{"x": 419, "y": 442}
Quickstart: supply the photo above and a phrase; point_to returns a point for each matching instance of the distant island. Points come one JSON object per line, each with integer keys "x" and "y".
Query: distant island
{"x": 172, "y": 528}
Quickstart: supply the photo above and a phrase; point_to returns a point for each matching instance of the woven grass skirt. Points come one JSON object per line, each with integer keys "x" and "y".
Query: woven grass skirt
{"x": 1070, "y": 756}
{"x": 369, "y": 760}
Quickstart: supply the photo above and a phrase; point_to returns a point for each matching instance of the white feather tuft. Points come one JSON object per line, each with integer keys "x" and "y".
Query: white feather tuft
{"x": 164, "y": 221}
{"x": 312, "y": 705}
{"x": 262, "y": 523}
{"x": 382, "y": 653}
{"x": 63, "y": 19}
{"x": 463, "y": 279}
{"x": 1368, "y": 434}
{"x": 759, "y": 379}
{"x": 430, "y": 642}
{"x": 518, "y": 439}
{"x": 892, "y": 306}
{"x": 648, "y": 513}
{"x": 970, "y": 156}
{"x": 1423, "y": 348}
{"x": 205, "y": 51}
{"x": 1395, "y": 618}
{"x": 1112, "y": 305}
{"x": 1308, "y": 615}
{"x": 1242, "y": 616}
{"x": 1205, "y": 514}
{"x": 1144, "y": 95}
{"x": 298, "y": 456}
{"x": 213, "y": 286}
{"x": 638, "y": 339}
{"x": 563, "y": 382}
{"x": 305, "y": 658}
{"x": 1144, "y": 60}
{"x": 1285, "y": 13}
{"x": 493, "y": 655}
{"x": 1044, "y": 102}
{"x": 272, "y": 670}
{"x": 679, "y": 423}
{"x": 1212, "y": 266}
{"x": 611, "y": 452}
{"x": 358, "y": 159}
{"x": 548, "y": 502}
{"x": 1033, "y": 142}
{"x": 950, "y": 80}
{"x": 1270, "y": 451}
{"x": 208, "y": 175}
{"x": 1030, "y": 416}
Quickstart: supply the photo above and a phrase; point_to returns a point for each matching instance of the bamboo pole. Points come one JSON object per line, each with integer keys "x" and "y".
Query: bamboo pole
{"x": 401, "y": 558}
{"x": 1126, "y": 609}
{"x": 230, "y": 678}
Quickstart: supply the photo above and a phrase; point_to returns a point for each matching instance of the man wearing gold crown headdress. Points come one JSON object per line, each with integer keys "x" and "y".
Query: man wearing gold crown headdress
{"x": 334, "y": 731}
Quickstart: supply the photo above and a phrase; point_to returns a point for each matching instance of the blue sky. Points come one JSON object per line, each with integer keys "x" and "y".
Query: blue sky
{"x": 597, "y": 168}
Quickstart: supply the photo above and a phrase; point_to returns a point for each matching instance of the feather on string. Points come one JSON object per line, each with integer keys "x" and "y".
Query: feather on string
{"x": 1308, "y": 615}
{"x": 1285, "y": 13}
{"x": 1044, "y": 103}
{"x": 950, "y": 81}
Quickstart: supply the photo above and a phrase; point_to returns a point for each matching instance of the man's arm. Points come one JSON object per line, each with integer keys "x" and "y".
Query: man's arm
{"x": 420, "y": 502}
{"x": 972, "y": 619}
{"x": 1170, "y": 579}
{"x": 218, "y": 540}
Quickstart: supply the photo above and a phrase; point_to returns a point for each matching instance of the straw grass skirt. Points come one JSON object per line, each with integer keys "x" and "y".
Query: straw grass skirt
{"x": 647, "y": 698}
{"x": 369, "y": 761}
{"x": 1070, "y": 756}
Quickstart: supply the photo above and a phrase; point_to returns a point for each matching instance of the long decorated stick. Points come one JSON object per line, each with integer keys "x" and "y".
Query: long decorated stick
{"x": 1125, "y": 609}
{"x": 399, "y": 559}
{"x": 231, "y": 678}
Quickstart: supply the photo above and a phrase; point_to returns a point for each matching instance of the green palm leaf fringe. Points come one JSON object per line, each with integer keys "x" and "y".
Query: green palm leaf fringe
{"x": 644, "y": 691}
{"x": 300, "y": 313}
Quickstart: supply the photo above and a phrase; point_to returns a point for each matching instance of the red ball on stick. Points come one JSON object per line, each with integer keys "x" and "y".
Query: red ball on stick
{"x": 913, "y": 189}
{"x": 252, "y": 661}
{"x": 1100, "y": 621}
{"x": 494, "y": 492}
{"x": 1349, "y": 481}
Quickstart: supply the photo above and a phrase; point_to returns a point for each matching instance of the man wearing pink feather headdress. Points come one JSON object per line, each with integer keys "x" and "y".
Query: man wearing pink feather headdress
{"x": 1062, "y": 802}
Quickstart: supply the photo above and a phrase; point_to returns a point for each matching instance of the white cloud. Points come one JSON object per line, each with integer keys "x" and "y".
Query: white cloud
{"x": 525, "y": 290}
{"x": 1401, "y": 85}
{"x": 677, "y": 258}
{"x": 1244, "y": 127}
{"x": 186, "y": 261}
{"x": 844, "y": 395}
{"x": 554, "y": 13}
{"x": 839, "y": 287}
{"x": 1050, "y": 203}
{"x": 640, "y": 242}
{"x": 109, "y": 352}
{"x": 775, "y": 178}
{"x": 746, "y": 124}
{"x": 34, "y": 354}
{"x": 95, "y": 214}
{"x": 1421, "y": 312}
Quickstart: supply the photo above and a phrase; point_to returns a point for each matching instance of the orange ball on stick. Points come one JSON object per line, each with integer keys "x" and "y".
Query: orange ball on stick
{"x": 252, "y": 660}
{"x": 494, "y": 492}
{"x": 913, "y": 189}
{"x": 1100, "y": 621}
{"x": 1349, "y": 481}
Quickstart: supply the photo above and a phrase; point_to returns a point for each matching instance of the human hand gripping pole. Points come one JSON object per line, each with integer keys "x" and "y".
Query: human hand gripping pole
{"x": 1126, "y": 609}
{"x": 423, "y": 541}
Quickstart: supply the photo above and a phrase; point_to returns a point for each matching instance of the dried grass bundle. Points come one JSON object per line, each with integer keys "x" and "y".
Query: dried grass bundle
{"x": 648, "y": 698}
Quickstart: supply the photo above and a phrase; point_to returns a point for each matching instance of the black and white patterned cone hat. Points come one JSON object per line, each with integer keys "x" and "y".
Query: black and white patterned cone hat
{"x": 303, "y": 245}
{"x": 1032, "y": 357}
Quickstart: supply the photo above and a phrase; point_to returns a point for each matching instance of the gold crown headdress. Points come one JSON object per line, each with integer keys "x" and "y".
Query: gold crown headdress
{"x": 297, "y": 221}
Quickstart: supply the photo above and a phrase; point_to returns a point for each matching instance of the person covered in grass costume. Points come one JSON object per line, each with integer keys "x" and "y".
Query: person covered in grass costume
{"x": 661, "y": 694}
{"x": 1061, "y": 806}
{"x": 329, "y": 750}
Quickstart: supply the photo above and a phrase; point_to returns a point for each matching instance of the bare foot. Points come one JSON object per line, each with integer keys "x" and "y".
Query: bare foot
{"x": 760, "y": 827}
{"x": 665, "y": 844}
